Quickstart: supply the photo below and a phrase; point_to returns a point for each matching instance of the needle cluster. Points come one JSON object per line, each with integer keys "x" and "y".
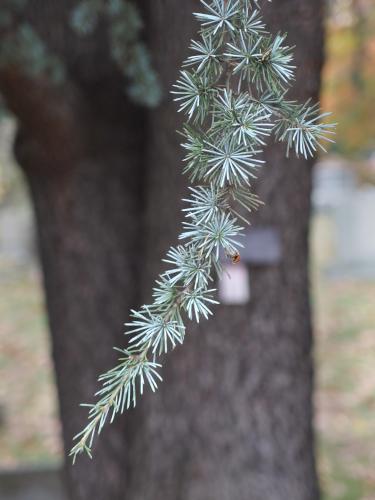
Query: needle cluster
{"x": 232, "y": 89}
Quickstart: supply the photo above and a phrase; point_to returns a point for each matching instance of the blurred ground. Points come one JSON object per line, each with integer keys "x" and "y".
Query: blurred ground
{"x": 29, "y": 427}
{"x": 345, "y": 357}
{"x": 28, "y": 424}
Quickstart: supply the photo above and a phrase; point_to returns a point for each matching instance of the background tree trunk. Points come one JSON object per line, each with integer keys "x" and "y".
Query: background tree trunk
{"x": 233, "y": 418}
{"x": 80, "y": 147}
{"x": 88, "y": 225}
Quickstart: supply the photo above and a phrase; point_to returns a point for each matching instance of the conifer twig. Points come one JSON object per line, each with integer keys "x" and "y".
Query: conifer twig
{"x": 226, "y": 130}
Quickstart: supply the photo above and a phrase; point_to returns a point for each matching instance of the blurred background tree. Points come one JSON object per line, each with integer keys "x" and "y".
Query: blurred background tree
{"x": 235, "y": 413}
{"x": 349, "y": 90}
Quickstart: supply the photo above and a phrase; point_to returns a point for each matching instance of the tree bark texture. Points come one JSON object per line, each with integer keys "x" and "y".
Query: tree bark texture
{"x": 233, "y": 417}
{"x": 80, "y": 146}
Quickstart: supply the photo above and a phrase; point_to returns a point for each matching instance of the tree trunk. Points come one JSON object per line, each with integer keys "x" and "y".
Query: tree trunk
{"x": 233, "y": 418}
{"x": 80, "y": 147}
{"x": 87, "y": 219}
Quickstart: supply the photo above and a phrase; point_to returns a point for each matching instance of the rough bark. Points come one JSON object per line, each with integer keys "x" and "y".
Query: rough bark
{"x": 87, "y": 226}
{"x": 233, "y": 418}
{"x": 80, "y": 146}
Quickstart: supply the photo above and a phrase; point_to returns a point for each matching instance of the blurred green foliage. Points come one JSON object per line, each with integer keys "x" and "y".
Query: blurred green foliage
{"x": 349, "y": 76}
{"x": 21, "y": 46}
{"x": 127, "y": 50}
